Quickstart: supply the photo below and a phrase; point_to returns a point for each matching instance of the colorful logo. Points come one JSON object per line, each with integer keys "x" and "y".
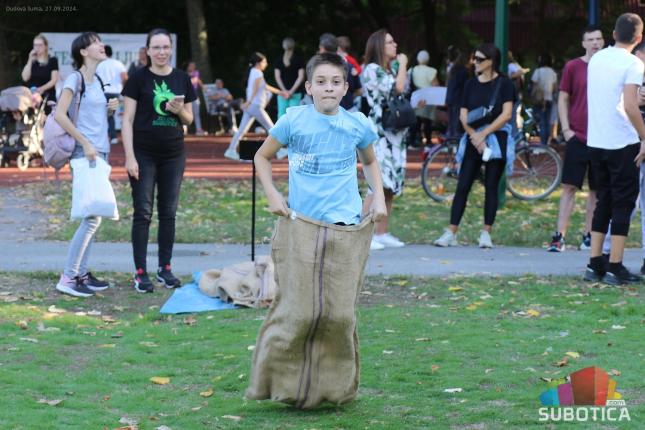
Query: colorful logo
{"x": 588, "y": 386}
{"x": 161, "y": 94}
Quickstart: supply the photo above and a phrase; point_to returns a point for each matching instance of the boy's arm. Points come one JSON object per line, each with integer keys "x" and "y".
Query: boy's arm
{"x": 373, "y": 177}
{"x": 630, "y": 97}
{"x": 262, "y": 159}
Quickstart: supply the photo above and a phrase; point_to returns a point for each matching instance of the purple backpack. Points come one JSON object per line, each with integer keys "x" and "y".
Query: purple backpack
{"x": 59, "y": 145}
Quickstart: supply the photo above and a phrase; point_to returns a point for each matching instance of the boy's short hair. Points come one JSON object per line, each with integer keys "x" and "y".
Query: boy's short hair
{"x": 628, "y": 26}
{"x": 325, "y": 58}
{"x": 590, "y": 29}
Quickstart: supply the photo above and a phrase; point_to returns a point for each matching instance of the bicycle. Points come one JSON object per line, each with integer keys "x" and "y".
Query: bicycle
{"x": 537, "y": 169}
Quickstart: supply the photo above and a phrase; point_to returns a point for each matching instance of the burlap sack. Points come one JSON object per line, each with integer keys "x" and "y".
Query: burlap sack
{"x": 249, "y": 284}
{"x": 307, "y": 349}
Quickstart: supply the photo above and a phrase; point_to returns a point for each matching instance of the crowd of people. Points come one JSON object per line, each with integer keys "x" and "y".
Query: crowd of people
{"x": 473, "y": 79}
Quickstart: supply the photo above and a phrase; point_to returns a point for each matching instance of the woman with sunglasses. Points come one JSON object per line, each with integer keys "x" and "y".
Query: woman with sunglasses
{"x": 489, "y": 143}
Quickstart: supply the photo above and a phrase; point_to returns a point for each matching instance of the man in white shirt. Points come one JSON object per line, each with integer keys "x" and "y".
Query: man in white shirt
{"x": 113, "y": 75}
{"x": 616, "y": 138}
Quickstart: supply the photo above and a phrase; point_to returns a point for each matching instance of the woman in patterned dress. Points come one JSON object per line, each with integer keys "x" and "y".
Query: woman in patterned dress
{"x": 385, "y": 75}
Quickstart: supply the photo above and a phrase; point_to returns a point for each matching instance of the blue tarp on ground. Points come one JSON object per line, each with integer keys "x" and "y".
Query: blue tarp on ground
{"x": 189, "y": 298}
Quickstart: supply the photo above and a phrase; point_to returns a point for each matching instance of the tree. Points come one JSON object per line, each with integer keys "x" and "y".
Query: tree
{"x": 199, "y": 38}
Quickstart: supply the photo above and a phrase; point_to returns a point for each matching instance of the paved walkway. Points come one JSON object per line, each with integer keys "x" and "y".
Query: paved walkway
{"x": 21, "y": 226}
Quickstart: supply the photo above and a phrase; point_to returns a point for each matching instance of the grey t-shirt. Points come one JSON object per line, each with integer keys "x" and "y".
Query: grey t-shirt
{"x": 92, "y": 116}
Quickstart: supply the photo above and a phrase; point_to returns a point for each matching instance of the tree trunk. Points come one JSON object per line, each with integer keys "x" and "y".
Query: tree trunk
{"x": 5, "y": 65}
{"x": 199, "y": 38}
{"x": 429, "y": 20}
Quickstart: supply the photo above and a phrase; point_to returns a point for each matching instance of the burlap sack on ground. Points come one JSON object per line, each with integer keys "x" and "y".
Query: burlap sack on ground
{"x": 250, "y": 284}
{"x": 307, "y": 349}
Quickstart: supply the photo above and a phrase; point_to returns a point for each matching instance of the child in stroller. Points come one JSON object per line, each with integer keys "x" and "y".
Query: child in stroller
{"x": 21, "y": 126}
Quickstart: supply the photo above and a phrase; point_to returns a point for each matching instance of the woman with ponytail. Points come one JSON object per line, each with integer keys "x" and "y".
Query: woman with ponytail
{"x": 256, "y": 101}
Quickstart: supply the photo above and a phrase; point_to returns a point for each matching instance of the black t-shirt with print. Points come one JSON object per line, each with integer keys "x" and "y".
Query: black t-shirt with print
{"x": 41, "y": 74}
{"x": 155, "y": 129}
{"x": 289, "y": 75}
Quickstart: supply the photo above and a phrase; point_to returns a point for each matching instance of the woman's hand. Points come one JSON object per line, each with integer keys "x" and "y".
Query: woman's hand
{"x": 113, "y": 104}
{"x": 32, "y": 55}
{"x": 175, "y": 106}
{"x": 421, "y": 104}
{"x": 277, "y": 204}
{"x": 478, "y": 140}
{"x": 132, "y": 167}
{"x": 90, "y": 152}
{"x": 402, "y": 59}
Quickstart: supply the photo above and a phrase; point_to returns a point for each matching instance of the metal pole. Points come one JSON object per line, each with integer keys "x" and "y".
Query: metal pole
{"x": 594, "y": 12}
{"x": 501, "y": 41}
{"x": 253, "y": 217}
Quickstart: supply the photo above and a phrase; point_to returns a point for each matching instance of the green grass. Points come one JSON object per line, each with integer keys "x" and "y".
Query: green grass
{"x": 476, "y": 336}
{"x": 219, "y": 212}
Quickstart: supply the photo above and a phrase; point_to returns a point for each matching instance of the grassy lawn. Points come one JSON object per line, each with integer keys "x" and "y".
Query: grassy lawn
{"x": 494, "y": 338}
{"x": 219, "y": 212}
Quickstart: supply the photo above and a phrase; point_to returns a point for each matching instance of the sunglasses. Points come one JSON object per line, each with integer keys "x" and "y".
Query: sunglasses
{"x": 480, "y": 59}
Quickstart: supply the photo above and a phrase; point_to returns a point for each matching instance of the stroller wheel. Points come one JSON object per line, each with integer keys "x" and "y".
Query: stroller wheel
{"x": 22, "y": 161}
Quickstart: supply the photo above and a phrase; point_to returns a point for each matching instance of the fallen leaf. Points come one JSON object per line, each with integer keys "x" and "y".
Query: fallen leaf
{"x": 250, "y": 347}
{"x": 434, "y": 368}
{"x": 452, "y": 390}
{"x": 106, "y": 398}
{"x": 94, "y": 313}
{"x": 562, "y": 363}
{"x": 190, "y": 320}
{"x": 195, "y": 409}
{"x": 422, "y": 339}
{"x": 54, "y": 310}
{"x": 572, "y": 354}
{"x": 22, "y": 324}
{"x": 471, "y": 307}
{"x": 618, "y": 327}
{"x": 50, "y": 402}
{"x": 385, "y": 351}
{"x": 206, "y": 393}
{"x": 533, "y": 313}
{"x": 614, "y": 372}
{"x": 600, "y": 331}
{"x": 41, "y": 327}
{"x": 107, "y": 345}
{"x": 108, "y": 319}
{"x": 117, "y": 335}
{"x": 29, "y": 339}
{"x": 160, "y": 380}
{"x": 232, "y": 417}
{"x": 454, "y": 289}
{"x": 163, "y": 428}
{"x": 148, "y": 344}
{"x": 241, "y": 376}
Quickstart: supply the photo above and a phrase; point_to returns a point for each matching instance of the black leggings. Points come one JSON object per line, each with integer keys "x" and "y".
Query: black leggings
{"x": 470, "y": 168}
{"x": 166, "y": 174}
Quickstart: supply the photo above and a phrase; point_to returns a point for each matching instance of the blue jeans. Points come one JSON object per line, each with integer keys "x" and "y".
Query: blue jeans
{"x": 544, "y": 114}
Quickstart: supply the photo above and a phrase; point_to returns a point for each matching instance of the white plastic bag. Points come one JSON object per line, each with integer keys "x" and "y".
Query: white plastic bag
{"x": 92, "y": 193}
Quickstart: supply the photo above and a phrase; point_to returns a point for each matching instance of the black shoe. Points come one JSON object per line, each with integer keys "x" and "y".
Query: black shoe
{"x": 643, "y": 268}
{"x": 142, "y": 283}
{"x": 93, "y": 283}
{"x": 592, "y": 275}
{"x": 165, "y": 276}
{"x": 621, "y": 276}
{"x": 557, "y": 243}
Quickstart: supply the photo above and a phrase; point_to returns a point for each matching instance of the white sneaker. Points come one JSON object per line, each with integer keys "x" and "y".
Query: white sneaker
{"x": 282, "y": 152}
{"x": 388, "y": 240}
{"x": 376, "y": 246}
{"x": 232, "y": 154}
{"x": 114, "y": 141}
{"x": 448, "y": 238}
{"x": 484, "y": 240}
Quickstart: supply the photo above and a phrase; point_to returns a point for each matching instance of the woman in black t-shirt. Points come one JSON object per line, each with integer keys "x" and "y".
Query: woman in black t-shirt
{"x": 478, "y": 92}
{"x": 289, "y": 74}
{"x": 158, "y": 102}
{"x": 41, "y": 70}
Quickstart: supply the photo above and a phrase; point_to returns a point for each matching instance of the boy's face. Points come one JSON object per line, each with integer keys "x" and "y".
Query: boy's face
{"x": 327, "y": 88}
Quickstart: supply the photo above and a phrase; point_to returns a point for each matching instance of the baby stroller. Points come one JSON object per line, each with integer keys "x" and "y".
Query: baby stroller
{"x": 21, "y": 126}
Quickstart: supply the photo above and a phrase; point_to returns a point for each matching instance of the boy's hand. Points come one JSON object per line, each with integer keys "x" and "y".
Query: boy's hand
{"x": 378, "y": 209}
{"x": 277, "y": 204}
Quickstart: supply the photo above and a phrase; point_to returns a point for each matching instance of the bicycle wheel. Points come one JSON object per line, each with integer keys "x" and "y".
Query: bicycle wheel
{"x": 537, "y": 171}
{"x": 439, "y": 173}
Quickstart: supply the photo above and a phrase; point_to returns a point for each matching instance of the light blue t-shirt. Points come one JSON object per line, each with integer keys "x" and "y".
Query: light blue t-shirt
{"x": 323, "y": 182}
{"x": 92, "y": 119}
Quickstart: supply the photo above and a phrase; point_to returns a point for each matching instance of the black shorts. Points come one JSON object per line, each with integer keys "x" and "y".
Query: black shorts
{"x": 577, "y": 165}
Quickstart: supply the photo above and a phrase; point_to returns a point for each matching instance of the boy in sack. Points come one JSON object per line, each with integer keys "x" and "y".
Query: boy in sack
{"x": 307, "y": 348}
